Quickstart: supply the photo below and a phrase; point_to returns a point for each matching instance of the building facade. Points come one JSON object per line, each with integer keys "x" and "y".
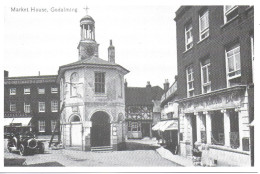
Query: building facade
{"x": 142, "y": 110}
{"x": 215, "y": 81}
{"x": 92, "y": 96}
{"x": 32, "y": 100}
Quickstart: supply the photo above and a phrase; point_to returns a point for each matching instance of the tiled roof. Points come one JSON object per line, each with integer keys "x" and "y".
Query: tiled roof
{"x": 93, "y": 60}
{"x": 142, "y": 96}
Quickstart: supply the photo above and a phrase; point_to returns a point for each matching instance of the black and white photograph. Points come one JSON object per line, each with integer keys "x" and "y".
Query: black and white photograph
{"x": 128, "y": 84}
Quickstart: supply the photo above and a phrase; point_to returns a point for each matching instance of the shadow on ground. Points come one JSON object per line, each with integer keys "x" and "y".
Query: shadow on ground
{"x": 130, "y": 146}
{"x": 47, "y": 164}
{"x": 14, "y": 161}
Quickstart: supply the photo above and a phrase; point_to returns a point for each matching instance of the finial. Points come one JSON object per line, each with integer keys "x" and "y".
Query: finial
{"x": 86, "y": 9}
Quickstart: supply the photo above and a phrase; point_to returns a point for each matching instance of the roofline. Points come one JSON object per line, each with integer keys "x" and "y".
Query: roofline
{"x": 30, "y": 77}
{"x": 180, "y": 12}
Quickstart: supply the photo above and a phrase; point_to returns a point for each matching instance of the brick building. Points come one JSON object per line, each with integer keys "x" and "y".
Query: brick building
{"x": 142, "y": 110}
{"x": 215, "y": 83}
{"x": 32, "y": 100}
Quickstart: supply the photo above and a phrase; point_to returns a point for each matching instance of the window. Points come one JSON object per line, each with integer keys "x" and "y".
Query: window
{"x": 99, "y": 82}
{"x": 41, "y": 125}
{"x": 53, "y": 125}
{"x": 230, "y": 12}
{"x": 188, "y": 36}
{"x": 217, "y": 128}
{"x": 204, "y": 24}
{"x": 12, "y": 91}
{"x": 41, "y": 90}
{"x": 12, "y": 107}
{"x": 27, "y": 107}
{"x": 54, "y": 106}
{"x": 134, "y": 126}
{"x": 27, "y": 91}
{"x": 190, "y": 81}
{"x": 233, "y": 65}
{"x": 205, "y": 76}
{"x": 74, "y": 79}
{"x": 41, "y": 106}
{"x": 54, "y": 90}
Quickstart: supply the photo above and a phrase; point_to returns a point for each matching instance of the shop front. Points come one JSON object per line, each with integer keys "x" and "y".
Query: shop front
{"x": 217, "y": 123}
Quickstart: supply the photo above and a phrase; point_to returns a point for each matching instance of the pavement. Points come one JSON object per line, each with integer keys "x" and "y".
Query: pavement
{"x": 138, "y": 154}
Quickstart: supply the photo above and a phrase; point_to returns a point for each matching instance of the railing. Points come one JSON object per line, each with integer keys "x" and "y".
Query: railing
{"x": 234, "y": 140}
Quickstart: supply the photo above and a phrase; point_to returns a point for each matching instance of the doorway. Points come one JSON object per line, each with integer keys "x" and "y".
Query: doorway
{"x": 100, "y": 130}
{"x": 76, "y": 131}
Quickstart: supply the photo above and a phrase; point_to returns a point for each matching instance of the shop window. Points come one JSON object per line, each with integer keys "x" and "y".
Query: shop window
{"x": 205, "y": 76}
{"x": 188, "y": 36}
{"x": 99, "y": 82}
{"x": 230, "y": 12}
{"x": 12, "y": 91}
{"x": 204, "y": 24}
{"x": 234, "y": 129}
{"x": 190, "y": 81}
{"x": 233, "y": 65}
{"x": 217, "y": 128}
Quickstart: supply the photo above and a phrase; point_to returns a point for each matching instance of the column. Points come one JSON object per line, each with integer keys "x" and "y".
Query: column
{"x": 150, "y": 130}
{"x": 226, "y": 127}
{"x": 242, "y": 121}
{"x": 185, "y": 125}
{"x": 198, "y": 122}
{"x": 208, "y": 126}
{"x": 83, "y": 32}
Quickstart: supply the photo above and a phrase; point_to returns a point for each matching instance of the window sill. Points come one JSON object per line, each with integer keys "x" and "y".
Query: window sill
{"x": 203, "y": 39}
{"x": 27, "y": 94}
{"x": 230, "y": 21}
{"x": 187, "y": 50}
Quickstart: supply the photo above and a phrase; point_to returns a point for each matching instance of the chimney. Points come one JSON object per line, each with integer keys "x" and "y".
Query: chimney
{"x": 6, "y": 73}
{"x": 39, "y": 73}
{"x": 111, "y": 53}
{"x": 125, "y": 83}
{"x": 148, "y": 84}
{"x": 166, "y": 85}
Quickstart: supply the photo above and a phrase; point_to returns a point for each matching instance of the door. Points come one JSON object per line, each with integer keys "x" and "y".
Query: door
{"x": 100, "y": 130}
{"x": 76, "y": 134}
{"x": 146, "y": 130}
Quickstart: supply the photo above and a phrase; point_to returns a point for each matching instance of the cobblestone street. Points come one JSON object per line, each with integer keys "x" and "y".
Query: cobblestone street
{"x": 65, "y": 157}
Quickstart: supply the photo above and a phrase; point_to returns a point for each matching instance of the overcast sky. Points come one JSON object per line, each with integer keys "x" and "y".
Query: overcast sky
{"x": 143, "y": 36}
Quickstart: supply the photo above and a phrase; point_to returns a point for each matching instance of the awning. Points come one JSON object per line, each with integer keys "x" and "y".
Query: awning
{"x": 166, "y": 125}
{"x": 8, "y": 121}
{"x": 24, "y": 121}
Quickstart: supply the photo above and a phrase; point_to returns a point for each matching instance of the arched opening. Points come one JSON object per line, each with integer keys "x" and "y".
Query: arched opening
{"x": 100, "y": 130}
{"x": 75, "y": 131}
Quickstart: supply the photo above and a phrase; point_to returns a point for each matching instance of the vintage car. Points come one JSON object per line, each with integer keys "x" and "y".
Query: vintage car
{"x": 25, "y": 143}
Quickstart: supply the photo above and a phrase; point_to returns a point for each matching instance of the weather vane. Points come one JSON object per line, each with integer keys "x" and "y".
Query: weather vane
{"x": 86, "y": 9}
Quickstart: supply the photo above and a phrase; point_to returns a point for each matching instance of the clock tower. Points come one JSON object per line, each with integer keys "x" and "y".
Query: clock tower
{"x": 88, "y": 47}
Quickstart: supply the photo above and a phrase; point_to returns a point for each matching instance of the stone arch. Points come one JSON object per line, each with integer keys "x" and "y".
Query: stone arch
{"x": 101, "y": 110}
{"x": 75, "y": 118}
{"x": 100, "y": 130}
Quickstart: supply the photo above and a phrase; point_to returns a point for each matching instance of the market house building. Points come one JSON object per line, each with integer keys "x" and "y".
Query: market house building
{"x": 215, "y": 82}
{"x": 31, "y": 101}
{"x": 142, "y": 110}
{"x": 92, "y": 96}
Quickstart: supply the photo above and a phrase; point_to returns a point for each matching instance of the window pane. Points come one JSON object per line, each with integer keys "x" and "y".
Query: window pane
{"x": 230, "y": 64}
{"x": 204, "y": 74}
{"x": 237, "y": 59}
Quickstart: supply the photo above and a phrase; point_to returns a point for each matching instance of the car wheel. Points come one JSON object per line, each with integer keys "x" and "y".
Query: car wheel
{"x": 22, "y": 150}
{"x": 9, "y": 145}
{"x": 41, "y": 148}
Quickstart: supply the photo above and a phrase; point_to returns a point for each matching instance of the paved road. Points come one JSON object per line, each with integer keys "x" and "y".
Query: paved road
{"x": 71, "y": 158}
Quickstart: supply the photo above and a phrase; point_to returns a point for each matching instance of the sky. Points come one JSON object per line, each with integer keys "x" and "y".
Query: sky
{"x": 143, "y": 34}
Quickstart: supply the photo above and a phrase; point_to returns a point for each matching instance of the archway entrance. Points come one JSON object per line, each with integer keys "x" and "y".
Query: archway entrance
{"x": 100, "y": 130}
{"x": 76, "y": 131}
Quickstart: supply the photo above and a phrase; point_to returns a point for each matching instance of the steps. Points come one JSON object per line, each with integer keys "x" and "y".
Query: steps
{"x": 102, "y": 149}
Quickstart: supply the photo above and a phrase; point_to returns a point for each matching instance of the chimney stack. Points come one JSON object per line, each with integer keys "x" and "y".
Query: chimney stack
{"x": 125, "y": 83}
{"x": 148, "y": 84}
{"x": 6, "y": 73}
{"x": 39, "y": 73}
{"x": 166, "y": 85}
{"x": 111, "y": 53}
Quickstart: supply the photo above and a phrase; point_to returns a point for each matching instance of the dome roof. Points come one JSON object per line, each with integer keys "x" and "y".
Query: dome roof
{"x": 87, "y": 18}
